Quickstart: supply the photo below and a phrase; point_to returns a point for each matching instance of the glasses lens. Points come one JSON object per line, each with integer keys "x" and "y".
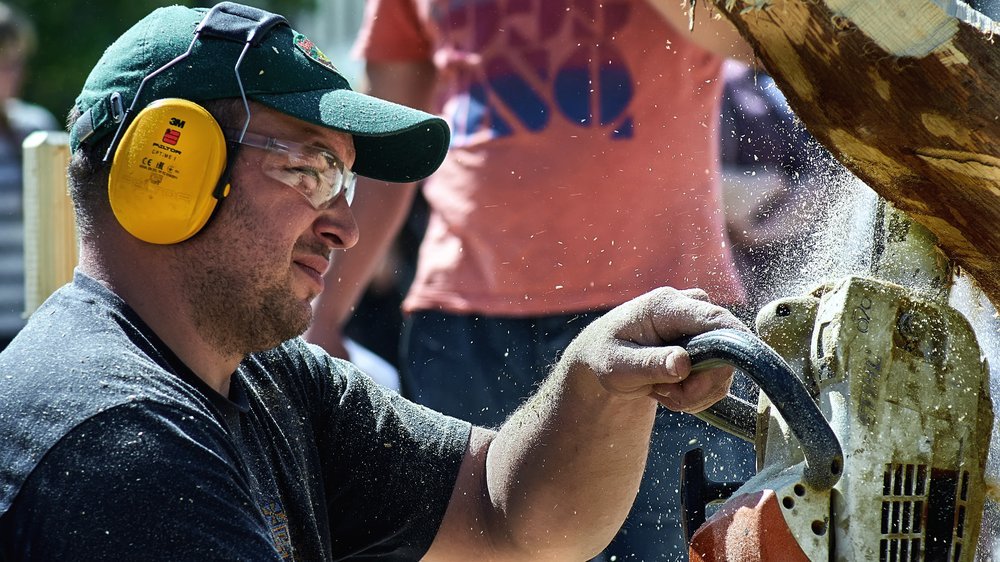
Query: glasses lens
{"x": 315, "y": 173}
{"x": 318, "y": 175}
{"x": 350, "y": 180}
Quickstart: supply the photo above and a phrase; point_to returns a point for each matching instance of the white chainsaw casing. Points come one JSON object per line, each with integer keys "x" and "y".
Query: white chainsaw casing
{"x": 904, "y": 386}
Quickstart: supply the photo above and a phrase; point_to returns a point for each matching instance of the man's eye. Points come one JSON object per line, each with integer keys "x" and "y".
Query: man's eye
{"x": 308, "y": 177}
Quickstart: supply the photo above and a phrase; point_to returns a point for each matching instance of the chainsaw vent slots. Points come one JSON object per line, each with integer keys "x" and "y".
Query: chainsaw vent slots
{"x": 923, "y": 513}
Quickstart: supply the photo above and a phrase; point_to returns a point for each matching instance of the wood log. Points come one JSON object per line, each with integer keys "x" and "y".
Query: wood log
{"x": 906, "y": 94}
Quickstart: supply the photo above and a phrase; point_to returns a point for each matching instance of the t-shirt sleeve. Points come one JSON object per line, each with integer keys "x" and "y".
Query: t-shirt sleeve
{"x": 391, "y": 32}
{"x": 140, "y": 481}
{"x": 389, "y": 465}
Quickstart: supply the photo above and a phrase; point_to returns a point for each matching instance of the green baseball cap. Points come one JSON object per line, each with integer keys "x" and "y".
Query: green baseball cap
{"x": 284, "y": 71}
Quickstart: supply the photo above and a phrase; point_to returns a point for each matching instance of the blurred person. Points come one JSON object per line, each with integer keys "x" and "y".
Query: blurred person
{"x": 774, "y": 177}
{"x": 162, "y": 405}
{"x": 583, "y": 171}
{"x": 18, "y": 119}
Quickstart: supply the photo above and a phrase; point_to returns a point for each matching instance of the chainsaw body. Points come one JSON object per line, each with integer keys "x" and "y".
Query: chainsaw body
{"x": 901, "y": 380}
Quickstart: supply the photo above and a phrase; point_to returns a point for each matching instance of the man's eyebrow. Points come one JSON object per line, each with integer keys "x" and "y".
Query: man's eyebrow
{"x": 320, "y": 141}
{"x": 324, "y": 148}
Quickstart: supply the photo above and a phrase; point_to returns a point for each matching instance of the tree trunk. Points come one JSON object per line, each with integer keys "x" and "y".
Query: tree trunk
{"x": 906, "y": 94}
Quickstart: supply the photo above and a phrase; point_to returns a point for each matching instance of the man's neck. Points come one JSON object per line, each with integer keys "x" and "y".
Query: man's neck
{"x": 150, "y": 290}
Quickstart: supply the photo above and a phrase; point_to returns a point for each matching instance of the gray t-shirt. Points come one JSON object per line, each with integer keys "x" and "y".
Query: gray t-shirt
{"x": 110, "y": 448}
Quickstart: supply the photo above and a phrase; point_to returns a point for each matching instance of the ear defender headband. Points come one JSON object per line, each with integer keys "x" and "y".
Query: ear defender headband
{"x": 170, "y": 165}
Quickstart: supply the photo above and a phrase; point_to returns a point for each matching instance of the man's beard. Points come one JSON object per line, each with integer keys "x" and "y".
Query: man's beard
{"x": 239, "y": 304}
{"x": 240, "y": 295}
{"x": 241, "y": 315}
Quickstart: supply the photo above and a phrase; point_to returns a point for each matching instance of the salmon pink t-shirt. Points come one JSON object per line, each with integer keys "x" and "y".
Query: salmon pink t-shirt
{"x": 583, "y": 167}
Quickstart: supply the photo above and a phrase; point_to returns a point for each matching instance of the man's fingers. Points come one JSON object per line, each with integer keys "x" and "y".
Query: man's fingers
{"x": 696, "y": 392}
{"x": 629, "y": 348}
{"x": 666, "y": 314}
{"x": 696, "y": 294}
{"x": 689, "y": 316}
{"x": 639, "y": 370}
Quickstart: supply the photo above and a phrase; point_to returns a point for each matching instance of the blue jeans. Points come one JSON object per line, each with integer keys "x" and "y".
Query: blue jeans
{"x": 482, "y": 368}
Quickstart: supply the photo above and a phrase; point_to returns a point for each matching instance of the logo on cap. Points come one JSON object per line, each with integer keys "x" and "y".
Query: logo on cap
{"x": 312, "y": 51}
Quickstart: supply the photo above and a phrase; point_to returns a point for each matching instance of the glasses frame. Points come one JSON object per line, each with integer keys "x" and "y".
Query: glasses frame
{"x": 348, "y": 179}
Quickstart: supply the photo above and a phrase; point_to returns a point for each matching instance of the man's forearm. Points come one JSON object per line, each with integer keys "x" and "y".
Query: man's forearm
{"x": 557, "y": 480}
{"x": 572, "y": 447}
{"x": 565, "y": 469}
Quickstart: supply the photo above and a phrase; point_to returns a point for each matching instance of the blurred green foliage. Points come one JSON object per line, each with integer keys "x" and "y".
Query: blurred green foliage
{"x": 72, "y": 35}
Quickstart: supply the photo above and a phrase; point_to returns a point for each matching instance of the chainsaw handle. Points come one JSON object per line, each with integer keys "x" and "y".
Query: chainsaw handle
{"x": 748, "y": 353}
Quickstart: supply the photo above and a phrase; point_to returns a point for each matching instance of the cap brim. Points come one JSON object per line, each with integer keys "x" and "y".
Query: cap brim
{"x": 393, "y": 142}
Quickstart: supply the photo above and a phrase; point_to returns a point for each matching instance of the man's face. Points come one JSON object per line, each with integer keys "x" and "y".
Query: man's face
{"x": 251, "y": 274}
{"x": 11, "y": 71}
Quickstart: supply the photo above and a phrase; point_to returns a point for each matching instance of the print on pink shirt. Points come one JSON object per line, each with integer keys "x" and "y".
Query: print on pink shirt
{"x": 547, "y": 62}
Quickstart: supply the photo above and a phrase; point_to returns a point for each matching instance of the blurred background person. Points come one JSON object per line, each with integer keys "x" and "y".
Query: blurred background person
{"x": 18, "y": 119}
{"x": 583, "y": 170}
{"x": 776, "y": 181}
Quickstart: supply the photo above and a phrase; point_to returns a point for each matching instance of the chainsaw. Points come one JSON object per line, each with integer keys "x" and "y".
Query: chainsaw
{"x": 872, "y": 427}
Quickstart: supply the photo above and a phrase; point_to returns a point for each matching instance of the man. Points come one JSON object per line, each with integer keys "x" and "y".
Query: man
{"x": 583, "y": 171}
{"x": 161, "y": 406}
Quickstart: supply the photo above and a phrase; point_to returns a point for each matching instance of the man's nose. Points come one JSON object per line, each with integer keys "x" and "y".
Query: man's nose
{"x": 336, "y": 226}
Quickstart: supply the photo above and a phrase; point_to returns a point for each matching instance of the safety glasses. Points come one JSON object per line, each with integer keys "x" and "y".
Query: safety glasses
{"x": 315, "y": 173}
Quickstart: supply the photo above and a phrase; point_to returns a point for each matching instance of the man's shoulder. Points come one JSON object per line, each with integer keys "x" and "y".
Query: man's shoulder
{"x": 72, "y": 363}
{"x": 298, "y": 363}
{"x": 137, "y": 459}
{"x": 82, "y": 354}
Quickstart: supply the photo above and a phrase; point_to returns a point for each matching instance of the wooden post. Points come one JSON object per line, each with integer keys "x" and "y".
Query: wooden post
{"x": 50, "y": 248}
{"x": 905, "y": 94}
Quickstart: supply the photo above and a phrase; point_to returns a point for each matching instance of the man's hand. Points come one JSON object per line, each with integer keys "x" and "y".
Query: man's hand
{"x": 627, "y": 349}
{"x": 559, "y": 477}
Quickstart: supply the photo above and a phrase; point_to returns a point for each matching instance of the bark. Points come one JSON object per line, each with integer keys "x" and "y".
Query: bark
{"x": 906, "y": 94}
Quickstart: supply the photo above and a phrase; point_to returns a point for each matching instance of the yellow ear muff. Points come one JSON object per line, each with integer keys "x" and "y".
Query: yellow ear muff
{"x": 165, "y": 171}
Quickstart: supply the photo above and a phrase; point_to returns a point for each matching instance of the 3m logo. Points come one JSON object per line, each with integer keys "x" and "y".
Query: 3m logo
{"x": 171, "y": 136}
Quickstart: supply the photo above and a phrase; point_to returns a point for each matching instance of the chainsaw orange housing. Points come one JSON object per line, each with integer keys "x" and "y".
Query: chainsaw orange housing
{"x": 748, "y": 528}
